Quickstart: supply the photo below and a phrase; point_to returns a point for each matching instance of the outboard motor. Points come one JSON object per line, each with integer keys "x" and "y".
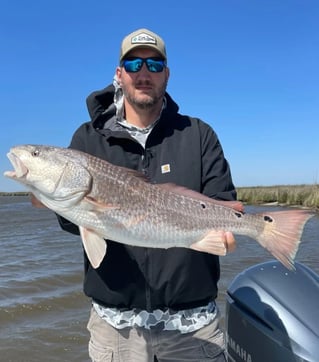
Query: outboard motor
{"x": 272, "y": 314}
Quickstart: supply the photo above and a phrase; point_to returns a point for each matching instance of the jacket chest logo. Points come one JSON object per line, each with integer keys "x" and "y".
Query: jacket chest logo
{"x": 166, "y": 168}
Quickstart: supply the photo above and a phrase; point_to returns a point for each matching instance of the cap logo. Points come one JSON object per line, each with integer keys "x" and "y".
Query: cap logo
{"x": 143, "y": 38}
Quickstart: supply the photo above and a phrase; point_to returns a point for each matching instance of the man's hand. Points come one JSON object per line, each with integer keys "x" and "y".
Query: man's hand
{"x": 230, "y": 241}
{"x": 216, "y": 242}
{"x": 35, "y": 202}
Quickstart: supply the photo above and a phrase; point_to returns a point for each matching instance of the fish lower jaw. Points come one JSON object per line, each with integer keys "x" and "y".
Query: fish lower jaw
{"x": 10, "y": 174}
{"x": 20, "y": 170}
{"x": 19, "y": 176}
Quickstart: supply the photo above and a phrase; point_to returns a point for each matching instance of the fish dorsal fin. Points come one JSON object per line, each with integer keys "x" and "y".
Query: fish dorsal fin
{"x": 138, "y": 174}
{"x": 184, "y": 191}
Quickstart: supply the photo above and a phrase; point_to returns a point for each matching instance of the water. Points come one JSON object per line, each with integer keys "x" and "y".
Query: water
{"x": 43, "y": 312}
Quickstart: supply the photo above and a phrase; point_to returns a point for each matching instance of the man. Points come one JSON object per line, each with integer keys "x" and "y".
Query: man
{"x": 153, "y": 303}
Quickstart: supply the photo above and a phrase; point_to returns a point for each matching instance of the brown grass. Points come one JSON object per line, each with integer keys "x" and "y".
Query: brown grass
{"x": 296, "y": 195}
{"x": 292, "y": 195}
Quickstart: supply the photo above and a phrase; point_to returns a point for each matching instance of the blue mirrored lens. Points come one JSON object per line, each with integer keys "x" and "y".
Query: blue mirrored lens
{"x": 154, "y": 65}
{"x": 135, "y": 64}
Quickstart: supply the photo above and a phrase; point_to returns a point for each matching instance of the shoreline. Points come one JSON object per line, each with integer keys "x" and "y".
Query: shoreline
{"x": 305, "y": 196}
{"x": 15, "y": 193}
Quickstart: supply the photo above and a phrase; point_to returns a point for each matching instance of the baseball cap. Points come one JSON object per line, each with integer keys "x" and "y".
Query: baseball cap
{"x": 142, "y": 38}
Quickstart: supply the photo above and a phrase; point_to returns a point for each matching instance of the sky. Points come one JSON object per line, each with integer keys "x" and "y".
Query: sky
{"x": 249, "y": 68}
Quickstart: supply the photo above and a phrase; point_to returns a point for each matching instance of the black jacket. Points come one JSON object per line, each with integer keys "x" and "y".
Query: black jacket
{"x": 136, "y": 277}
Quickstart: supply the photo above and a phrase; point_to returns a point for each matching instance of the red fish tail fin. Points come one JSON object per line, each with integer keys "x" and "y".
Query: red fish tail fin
{"x": 282, "y": 234}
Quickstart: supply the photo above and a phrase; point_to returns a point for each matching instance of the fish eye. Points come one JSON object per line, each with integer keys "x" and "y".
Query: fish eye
{"x": 35, "y": 153}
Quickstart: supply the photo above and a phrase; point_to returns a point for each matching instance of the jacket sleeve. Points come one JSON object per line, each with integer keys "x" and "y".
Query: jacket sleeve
{"x": 97, "y": 103}
{"x": 216, "y": 175}
{"x": 68, "y": 226}
{"x": 77, "y": 143}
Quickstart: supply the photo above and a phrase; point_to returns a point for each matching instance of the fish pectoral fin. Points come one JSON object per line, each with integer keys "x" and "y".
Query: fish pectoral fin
{"x": 94, "y": 245}
{"x": 134, "y": 221}
{"x": 213, "y": 243}
{"x": 98, "y": 205}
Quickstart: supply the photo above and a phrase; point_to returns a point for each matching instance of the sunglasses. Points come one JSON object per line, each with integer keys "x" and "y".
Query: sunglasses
{"x": 134, "y": 65}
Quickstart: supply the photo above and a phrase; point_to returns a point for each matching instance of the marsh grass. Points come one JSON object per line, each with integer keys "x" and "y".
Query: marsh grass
{"x": 15, "y": 193}
{"x": 292, "y": 195}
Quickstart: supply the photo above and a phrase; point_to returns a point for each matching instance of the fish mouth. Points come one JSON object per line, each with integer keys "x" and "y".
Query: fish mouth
{"x": 20, "y": 170}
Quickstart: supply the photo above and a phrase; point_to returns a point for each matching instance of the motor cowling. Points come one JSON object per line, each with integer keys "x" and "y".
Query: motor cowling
{"x": 272, "y": 314}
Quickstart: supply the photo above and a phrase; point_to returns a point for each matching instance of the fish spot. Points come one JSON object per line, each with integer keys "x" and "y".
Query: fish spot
{"x": 203, "y": 205}
{"x": 238, "y": 214}
{"x": 268, "y": 218}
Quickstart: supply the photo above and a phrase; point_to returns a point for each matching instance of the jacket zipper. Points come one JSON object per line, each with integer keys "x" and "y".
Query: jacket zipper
{"x": 146, "y": 156}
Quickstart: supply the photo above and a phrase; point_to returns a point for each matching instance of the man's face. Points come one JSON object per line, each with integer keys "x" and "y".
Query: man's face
{"x": 143, "y": 89}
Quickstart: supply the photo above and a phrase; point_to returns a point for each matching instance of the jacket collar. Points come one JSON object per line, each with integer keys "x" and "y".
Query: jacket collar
{"x": 102, "y": 108}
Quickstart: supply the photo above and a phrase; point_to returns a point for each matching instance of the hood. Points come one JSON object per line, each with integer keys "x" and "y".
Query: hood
{"x": 101, "y": 106}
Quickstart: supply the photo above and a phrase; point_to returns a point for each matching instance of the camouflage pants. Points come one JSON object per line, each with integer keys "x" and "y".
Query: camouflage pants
{"x": 143, "y": 345}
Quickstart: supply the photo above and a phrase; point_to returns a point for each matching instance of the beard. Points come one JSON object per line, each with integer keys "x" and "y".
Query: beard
{"x": 144, "y": 101}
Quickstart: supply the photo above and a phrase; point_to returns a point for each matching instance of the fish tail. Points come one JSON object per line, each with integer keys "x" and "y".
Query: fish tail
{"x": 282, "y": 234}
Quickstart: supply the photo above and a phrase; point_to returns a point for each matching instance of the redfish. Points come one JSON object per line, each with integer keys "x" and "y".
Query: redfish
{"x": 112, "y": 202}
